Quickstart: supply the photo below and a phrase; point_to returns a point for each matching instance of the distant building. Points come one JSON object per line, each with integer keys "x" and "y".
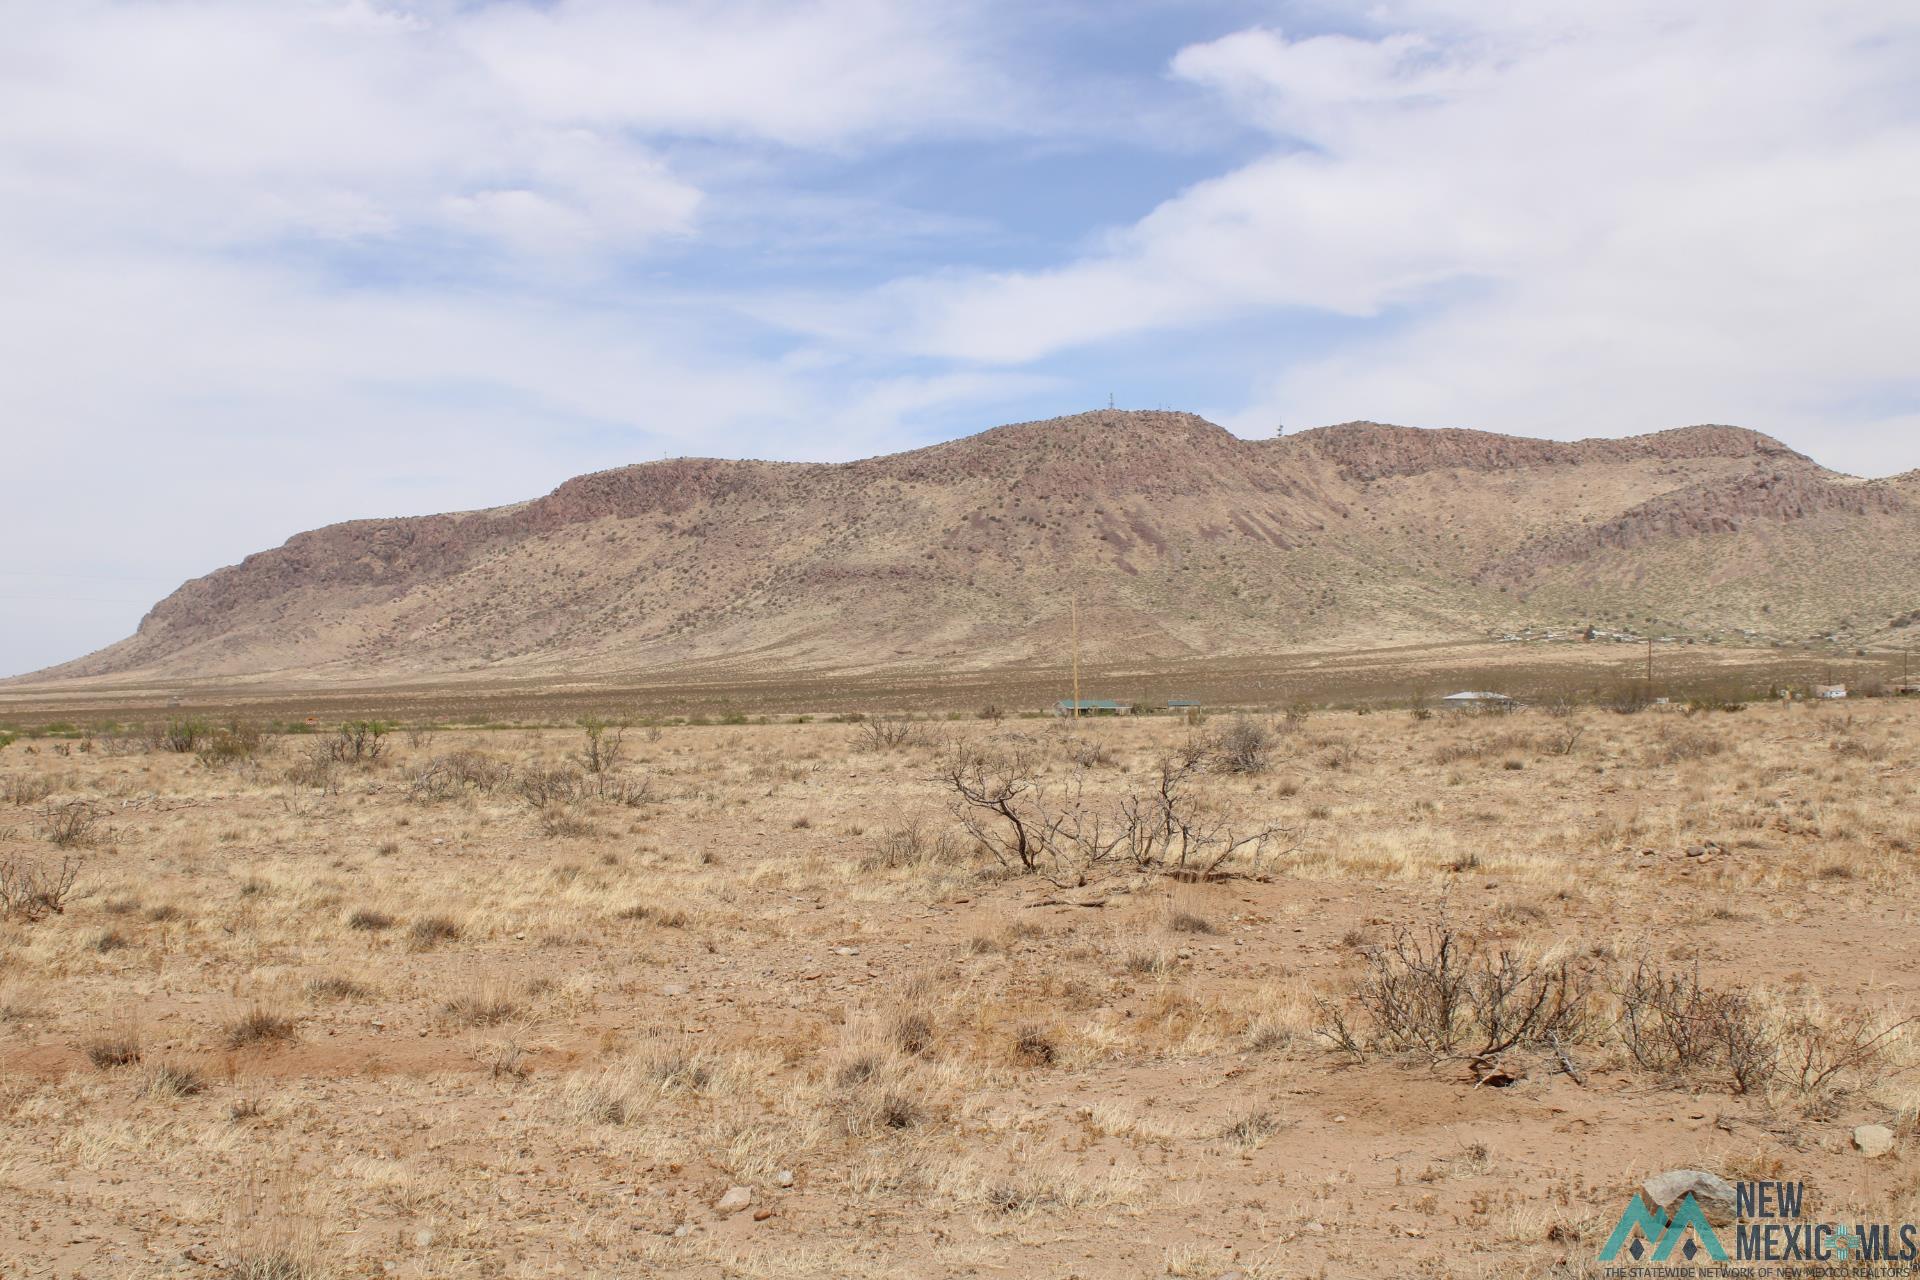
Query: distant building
{"x": 1908, "y": 690}
{"x": 1183, "y": 704}
{"x": 1831, "y": 692}
{"x": 1478, "y": 700}
{"x": 1092, "y": 707}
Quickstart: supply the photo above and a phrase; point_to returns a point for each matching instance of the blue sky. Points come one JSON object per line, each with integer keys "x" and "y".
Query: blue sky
{"x": 273, "y": 265}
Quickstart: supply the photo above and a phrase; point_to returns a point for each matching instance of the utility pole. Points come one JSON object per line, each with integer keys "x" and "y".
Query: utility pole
{"x": 1073, "y": 604}
{"x": 1649, "y": 668}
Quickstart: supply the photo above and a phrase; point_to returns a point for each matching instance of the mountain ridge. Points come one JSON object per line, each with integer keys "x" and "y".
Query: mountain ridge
{"x": 1184, "y": 538}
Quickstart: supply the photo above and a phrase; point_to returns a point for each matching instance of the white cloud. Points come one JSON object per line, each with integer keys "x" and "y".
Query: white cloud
{"x": 263, "y": 266}
{"x": 272, "y": 265}
{"x": 1581, "y": 218}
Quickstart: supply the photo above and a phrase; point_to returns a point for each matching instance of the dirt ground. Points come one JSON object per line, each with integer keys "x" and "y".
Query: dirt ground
{"x": 759, "y": 1005}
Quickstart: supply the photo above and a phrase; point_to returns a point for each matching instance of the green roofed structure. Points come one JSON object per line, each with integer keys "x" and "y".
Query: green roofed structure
{"x": 1091, "y": 707}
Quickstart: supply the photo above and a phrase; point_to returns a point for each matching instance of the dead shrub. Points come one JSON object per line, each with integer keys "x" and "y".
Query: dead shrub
{"x": 1441, "y": 993}
{"x": 665, "y": 917}
{"x": 110, "y": 1052}
{"x": 913, "y": 843}
{"x": 287, "y": 1263}
{"x": 231, "y": 743}
{"x": 1672, "y": 1024}
{"x": 565, "y": 820}
{"x": 1033, "y": 1046}
{"x": 315, "y": 771}
{"x": 74, "y": 824}
{"x": 258, "y": 1026}
{"x": 358, "y": 742}
{"x": 1031, "y": 824}
{"x": 458, "y": 773}
{"x": 1678, "y": 746}
{"x": 487, "y": 1006}
{"x": 430, "y": 931}
{"x": 1251, "y": 1130}
{"x": 333, "y": 987}
{"x": 1563, "y": 740}
{"x": 168, "y": 1081}
{"x": 368, "y": 920}
{"x": 885, "y": 733}
{"x": 1245, "y": 745}
{"x": 25, "y": 788}
{"x": 1180, "y": 921}
{"x": 33, "y": 890}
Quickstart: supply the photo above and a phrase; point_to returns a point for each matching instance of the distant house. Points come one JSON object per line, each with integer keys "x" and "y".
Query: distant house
{"x": 1183, "y": 704}
{"x": 1830, "y": 692}
{"x": 1092, "y": 707}
{"x": 1478, "y": 700}
{"x": 1908, "y": 690}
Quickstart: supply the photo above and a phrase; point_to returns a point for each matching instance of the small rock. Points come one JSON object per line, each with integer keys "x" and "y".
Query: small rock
{"x": 423, "y": 1239}
{"x": 784, "y": 1177}
{"x": 1712, "y": 1193}
{"x": 736, "y": 1199}
{"x": 676, "y": 989}
{"x": 1873, "y": 1140}
{"x": 683, "y": 1231}
{"x": 761, "y": 1215}
{"x": 846, "y": 951}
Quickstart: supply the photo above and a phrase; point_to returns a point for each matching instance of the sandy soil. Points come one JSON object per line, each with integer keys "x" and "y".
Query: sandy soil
{"x": 301, "y": 1020}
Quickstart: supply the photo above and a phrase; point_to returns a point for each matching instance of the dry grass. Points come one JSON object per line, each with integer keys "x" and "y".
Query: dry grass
{"x": 791, "y": 969}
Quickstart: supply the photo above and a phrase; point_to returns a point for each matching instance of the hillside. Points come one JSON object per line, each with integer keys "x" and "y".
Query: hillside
{"x": 1179, "y": 539}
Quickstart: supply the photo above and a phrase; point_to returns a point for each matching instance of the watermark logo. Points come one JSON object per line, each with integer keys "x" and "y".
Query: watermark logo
{"x": 1643, "y": 1229}
{"x": 1770, "y": 1235}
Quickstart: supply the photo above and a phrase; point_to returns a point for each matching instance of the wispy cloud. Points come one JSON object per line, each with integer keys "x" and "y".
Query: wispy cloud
{"x": 268, "y": 266}
{"x": 1571, "y": 218}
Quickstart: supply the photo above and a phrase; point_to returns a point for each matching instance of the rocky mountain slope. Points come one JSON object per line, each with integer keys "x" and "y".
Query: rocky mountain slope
{"x": 1178, "y": 539}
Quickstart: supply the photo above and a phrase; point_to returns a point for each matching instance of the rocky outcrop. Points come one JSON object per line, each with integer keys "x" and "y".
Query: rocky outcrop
{"x": 1373, "y": 451}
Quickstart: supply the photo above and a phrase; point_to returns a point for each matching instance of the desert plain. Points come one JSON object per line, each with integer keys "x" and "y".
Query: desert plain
{"x": 1271, "y": 993}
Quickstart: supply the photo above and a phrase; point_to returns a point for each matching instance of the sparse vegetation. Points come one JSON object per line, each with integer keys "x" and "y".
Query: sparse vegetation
{"x": 358, "y": 742}
{"x": 258, "y": 1026}
{"x": 73, "y": 824}
{"x": 822, "y": 974}
{"x": 33, "y": 889}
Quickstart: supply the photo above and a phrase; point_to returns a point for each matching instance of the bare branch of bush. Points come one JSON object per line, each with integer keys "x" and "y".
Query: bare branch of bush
{"x": 73, "y": 824}
{"x": 458, "y": 772}
{"x": 1441, "y": 993}
{"x": 885, "y": 733}
{"x": 359, "y": 742}
{"x": 25, "y": 788}
{"x": 31, "y": 890}
{"x": 1244, "y": 746}
{"x": 605, "y": 745}
{"x": 1032, "y": 825}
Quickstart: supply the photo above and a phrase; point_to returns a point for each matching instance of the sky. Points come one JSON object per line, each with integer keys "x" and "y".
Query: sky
{"x": 270, "y": 264}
